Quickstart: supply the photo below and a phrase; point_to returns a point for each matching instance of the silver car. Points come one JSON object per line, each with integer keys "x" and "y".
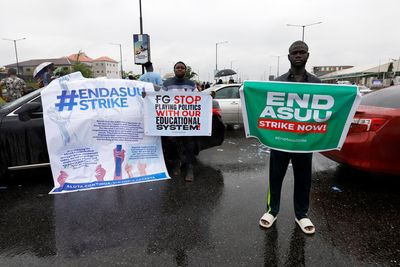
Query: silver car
{"x": 228, "y": 98}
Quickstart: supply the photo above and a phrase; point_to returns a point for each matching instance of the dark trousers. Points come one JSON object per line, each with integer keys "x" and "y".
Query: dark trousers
{"x": 179, "y": 149}
{"x": 301, "y": 163}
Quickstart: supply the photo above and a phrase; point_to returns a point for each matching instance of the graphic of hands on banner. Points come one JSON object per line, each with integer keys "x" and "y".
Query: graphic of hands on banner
{"x": 119, "y": 156}
{"x": 100, "y": 173}
{"x": 62, "y": 178}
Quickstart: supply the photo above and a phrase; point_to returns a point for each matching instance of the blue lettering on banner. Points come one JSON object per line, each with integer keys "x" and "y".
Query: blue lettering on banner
{"x": 97, "y": 184}
{"x": 97, "y": 98}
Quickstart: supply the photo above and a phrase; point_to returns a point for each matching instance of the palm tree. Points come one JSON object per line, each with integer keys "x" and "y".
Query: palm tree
{"x": 189, "y": 73}
{"x": 79, "y": 66}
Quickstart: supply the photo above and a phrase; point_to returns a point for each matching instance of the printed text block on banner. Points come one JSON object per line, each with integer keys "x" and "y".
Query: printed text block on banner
{"x": 177, "y": 114}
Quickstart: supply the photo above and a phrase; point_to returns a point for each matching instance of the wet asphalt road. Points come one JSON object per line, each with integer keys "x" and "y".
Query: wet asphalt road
{"x": 210, "y": 222}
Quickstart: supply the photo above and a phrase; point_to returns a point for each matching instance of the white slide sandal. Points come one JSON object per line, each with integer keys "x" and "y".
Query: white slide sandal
{"x": 304, "y": 224}
{"x": 267, "y": 220}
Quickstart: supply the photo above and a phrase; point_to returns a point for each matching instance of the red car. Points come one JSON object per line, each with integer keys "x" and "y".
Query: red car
{"x": 373, "y": 141}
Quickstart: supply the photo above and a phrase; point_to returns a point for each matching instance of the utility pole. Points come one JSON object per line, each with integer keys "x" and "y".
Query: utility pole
{"x": 216, "y": 54}
{"x": 15, "y": 48}
{"x": 141, "y": 25}
{"x": 277, "y": 68}
{"x": 303, "y": 26}
{"x": 120, "y": 57}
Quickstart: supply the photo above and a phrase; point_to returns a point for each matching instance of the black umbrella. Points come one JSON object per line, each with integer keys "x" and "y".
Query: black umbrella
{"x": 225, "y": 72}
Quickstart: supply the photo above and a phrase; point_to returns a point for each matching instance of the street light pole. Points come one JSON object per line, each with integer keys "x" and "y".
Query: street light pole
{"x": 216, "y": 54}
{"x": 232, "y": 62}
{"x": 303, "y": 26}
{"x": 120, "y": 56}
{"x": 15, "y": 47}
{"x": 141, "y": 25}
{"x": 277, "y": 70}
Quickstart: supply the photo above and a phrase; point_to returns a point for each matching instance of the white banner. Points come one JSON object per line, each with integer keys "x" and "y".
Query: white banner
{"x": 95, "y": 134}
{"x": 178, "y": 113}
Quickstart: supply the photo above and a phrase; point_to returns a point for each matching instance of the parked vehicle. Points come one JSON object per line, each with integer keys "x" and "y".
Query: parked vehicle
{"x": 23, "y": 142}
{"x": 344, "y": 82}
{"x": 228, "y": 98}
{"x": 363, "y": 89}
{"x": 372, "y": 143}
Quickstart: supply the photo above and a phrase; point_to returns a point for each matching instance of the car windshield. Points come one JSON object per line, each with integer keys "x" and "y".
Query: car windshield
{"x": 387, "y": 98}
{"x": 16, "y": 103}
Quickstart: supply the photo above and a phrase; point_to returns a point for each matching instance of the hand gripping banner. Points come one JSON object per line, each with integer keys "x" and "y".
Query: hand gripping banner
{"x": 298, "y": 117}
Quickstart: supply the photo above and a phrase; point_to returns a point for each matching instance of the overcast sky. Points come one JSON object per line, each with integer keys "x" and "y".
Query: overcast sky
{"x": 353, "y": 32}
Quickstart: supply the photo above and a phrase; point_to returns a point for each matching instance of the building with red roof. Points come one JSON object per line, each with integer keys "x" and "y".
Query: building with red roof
{"x": 105, "y": 67}
{"x": 101, "y": 67}
{"x": 81, "y": 57}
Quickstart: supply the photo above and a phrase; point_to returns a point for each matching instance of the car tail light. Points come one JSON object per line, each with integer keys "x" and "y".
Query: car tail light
{"x": 216, "y": 111}
{"x": 361, "y": 125}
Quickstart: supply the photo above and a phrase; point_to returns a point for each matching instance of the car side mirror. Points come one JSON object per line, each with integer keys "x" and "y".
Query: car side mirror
{"x": 26, "y": 110}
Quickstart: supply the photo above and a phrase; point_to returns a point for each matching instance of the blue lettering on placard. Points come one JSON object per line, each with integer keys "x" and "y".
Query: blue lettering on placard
{"x": 97, "y": 98}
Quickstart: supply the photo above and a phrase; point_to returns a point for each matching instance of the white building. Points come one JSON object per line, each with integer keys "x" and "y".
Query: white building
{"x": 105, "y": 67}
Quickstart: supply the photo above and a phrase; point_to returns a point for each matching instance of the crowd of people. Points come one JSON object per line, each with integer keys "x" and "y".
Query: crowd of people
{"x": 13, "y": 87}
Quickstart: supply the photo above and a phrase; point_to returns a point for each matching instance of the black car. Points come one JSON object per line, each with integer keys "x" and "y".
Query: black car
{"x": 23, "y": 142}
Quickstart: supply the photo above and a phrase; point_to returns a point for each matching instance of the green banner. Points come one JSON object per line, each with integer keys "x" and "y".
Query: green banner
{"x": 298, "y": 117}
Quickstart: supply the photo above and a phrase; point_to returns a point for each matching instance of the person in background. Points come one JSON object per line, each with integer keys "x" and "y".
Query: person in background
{"x": 150, "y": 76}
{"x": 14, "y": 87}
{"x": 220, "y": 81}
{"x": 48, "y": 73}
{"x": 301, "y": 162}
{"x": 231, "y": 80}
{"x": 199, "y": 87}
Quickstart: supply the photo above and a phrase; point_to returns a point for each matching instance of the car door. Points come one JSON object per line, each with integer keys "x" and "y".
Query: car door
{"x": 23, "y": 140}
{"x": 229, "y": 101}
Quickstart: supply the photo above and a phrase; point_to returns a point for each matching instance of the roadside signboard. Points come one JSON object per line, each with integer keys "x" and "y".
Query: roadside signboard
{"x": 141, "y": 48}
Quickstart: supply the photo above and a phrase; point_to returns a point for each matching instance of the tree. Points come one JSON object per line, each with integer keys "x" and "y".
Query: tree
{"x": 125, "y": 75}
{"x": 81, "y": 67}
{"x": 189, "y": 73}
